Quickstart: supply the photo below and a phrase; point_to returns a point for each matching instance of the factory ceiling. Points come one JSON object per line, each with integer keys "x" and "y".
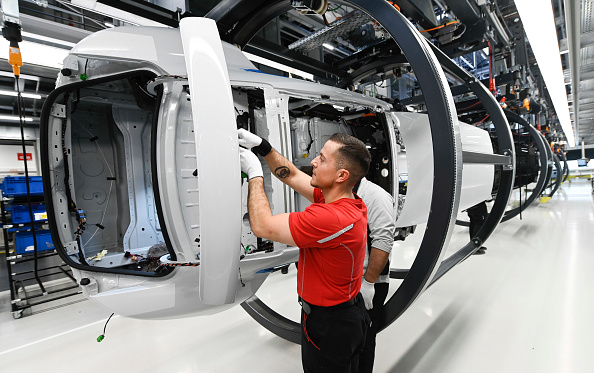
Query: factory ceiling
{"x": 345, "y": 47}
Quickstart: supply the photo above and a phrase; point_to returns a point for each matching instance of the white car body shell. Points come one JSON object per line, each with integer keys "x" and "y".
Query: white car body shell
{"x": 212, "y": 67}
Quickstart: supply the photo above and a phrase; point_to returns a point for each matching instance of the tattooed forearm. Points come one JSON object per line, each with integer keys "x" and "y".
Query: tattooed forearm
{"x": 286, "y": 172}
{"x": 258, "y": 206}
{"x": 282, "y": 172}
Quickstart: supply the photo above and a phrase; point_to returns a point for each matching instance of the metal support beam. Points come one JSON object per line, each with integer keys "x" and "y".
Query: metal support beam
{"x": 466, "y": 11}
{"x": 499, "y": 28}
{"x": 573, "y": 23}
{"x": 481, "y": 158}
{"x": 40, "y": 26}
{"x": 420, "y": 10}
{"x": 461, "y": 89}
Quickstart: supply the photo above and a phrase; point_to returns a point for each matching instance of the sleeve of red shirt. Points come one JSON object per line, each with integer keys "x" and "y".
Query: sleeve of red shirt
{"x": 314, "y": 224}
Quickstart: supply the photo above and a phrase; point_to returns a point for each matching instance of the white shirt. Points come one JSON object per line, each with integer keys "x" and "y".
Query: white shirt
{"x": 380, "y": 219}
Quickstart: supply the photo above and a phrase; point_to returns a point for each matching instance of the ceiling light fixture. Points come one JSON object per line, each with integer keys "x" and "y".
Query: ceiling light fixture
{"x": 116, "y": 13}
{"x": 328, "y": 46}
{"x": 539, "y": 25}
{"x": 26, "y": 95}
{"x": 15, "y": 118}
{"x": 278, "y": 66}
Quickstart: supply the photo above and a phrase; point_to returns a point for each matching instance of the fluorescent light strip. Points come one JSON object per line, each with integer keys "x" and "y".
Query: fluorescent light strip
{"x": 15, "y": 118}
{"x": 328, "y": 46}
{"x": 278, "y": 66}
{"x": 115, "y": 13}
{"x": 36, "y": 54}
{"x": 14, "y": 94}
{"x": 539, "y": 24}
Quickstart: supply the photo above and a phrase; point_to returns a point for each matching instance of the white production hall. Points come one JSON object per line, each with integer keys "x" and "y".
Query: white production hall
{"x": 524, "y": 306}
{"x": 195, "y": 186}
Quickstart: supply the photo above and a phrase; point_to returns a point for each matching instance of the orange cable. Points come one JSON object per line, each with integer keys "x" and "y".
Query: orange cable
{"x": 438, "y": 27}
{"x": 485, "y": 118}
{"x": 395, "y": 6}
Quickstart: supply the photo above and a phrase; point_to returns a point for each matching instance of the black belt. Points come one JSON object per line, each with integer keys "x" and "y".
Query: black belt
{"x": 307, "y": 307}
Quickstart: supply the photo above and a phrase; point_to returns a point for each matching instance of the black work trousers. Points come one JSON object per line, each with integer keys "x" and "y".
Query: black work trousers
{"x": 367, "y": 357}
{"x": 332, "y": 339}
{"x": 477, "y": 215}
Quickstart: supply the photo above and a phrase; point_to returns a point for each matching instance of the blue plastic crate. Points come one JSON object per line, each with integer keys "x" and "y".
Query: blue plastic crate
{"x": 23, "y": 241}
{"x": 20, "y": 213}
{"x": 16, "y": 186}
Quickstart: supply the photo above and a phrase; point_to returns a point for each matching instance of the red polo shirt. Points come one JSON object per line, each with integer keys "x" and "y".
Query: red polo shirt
{"x": 332, "y": 239}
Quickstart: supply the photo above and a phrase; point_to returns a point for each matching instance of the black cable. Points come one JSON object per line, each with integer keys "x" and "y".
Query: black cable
{"x": 311, "y": 139}
{"x": 102, "y": 336}
{"x": 79, "y": 215}
{"x": 20, "y": 107}
{"x": 106, "y": 323}
{"x": 240, "y": 279}
{"x": 521, "y": 201}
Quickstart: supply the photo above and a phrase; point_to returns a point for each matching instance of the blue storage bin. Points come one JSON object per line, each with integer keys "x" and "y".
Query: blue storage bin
{"x": 23, "y": 241}
{"x": 16, "y": 186}
{"x": 20, "y": 213}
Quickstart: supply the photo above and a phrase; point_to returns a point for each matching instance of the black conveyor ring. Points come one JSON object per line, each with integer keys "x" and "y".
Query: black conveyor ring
{"x": 506, "y": 147}
{"x": 446, "y": 153}
{"x": 558, "y": 179}
{"x": 544, "y": 167}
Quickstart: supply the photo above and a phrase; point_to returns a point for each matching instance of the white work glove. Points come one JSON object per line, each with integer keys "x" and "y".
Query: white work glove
{"x": 250, "y": 164}
{"x": 247, "y": 139}
{"x": 250, "y": 141}
{"x": 367, "y": 291}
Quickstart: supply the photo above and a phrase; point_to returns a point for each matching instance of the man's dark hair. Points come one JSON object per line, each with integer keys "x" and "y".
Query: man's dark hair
{"x": 352, "y": 155}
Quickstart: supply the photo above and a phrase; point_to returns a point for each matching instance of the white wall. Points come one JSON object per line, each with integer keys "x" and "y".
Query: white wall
{"x": 9, "y": 163}
{"x": 573, "y": 165}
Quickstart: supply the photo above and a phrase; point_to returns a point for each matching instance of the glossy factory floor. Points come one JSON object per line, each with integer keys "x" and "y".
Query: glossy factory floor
{"x": 525, "y": 306}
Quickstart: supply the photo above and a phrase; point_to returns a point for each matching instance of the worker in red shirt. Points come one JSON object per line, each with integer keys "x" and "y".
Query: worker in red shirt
{"x": 332, "y": 237}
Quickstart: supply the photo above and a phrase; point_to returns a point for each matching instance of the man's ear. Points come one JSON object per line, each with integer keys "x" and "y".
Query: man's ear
{"x": 342, "y": 175}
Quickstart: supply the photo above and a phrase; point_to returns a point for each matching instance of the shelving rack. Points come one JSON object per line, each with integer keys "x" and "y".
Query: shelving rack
{"x": 44, "y": 282}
